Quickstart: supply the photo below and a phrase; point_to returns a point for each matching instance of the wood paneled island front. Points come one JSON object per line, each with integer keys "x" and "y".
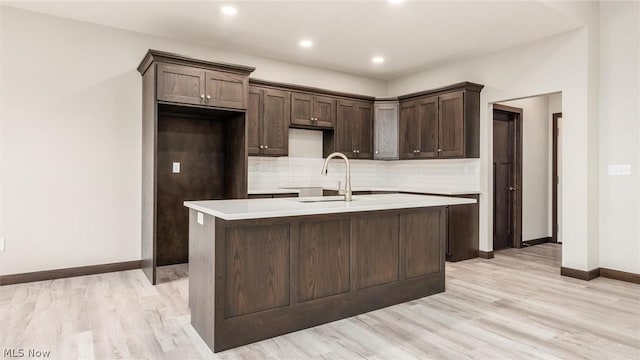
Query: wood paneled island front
{"x": 264, "y": 267}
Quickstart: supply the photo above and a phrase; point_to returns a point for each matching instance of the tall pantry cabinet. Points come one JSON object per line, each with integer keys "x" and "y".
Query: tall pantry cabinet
{"x": 193, "y": 147}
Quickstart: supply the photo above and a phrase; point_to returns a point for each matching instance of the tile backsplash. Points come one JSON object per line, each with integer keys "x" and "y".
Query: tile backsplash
{"x": 281, "y": 172}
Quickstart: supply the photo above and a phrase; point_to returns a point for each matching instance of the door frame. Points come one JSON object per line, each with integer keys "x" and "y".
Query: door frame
{"x": 555, "y": 179}
{"x": 516, "y": 213}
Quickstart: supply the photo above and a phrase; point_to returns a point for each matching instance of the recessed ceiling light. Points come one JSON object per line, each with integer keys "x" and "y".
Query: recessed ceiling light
{"x": 377, "y": 60}
{"x": 229, "y": 10}
{"x": 396, "y": 2}
{"x": 306, "y": 43}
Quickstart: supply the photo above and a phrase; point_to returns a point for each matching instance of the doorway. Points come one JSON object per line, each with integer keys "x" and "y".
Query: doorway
{"x": 507, "y": 177}
{"x": 556, "y": 120}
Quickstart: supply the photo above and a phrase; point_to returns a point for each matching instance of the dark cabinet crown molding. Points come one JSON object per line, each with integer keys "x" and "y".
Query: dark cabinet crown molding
{"x": 171, "y": 58}
{"x": 308, "y": 89}
{"x": 465, "y": 85}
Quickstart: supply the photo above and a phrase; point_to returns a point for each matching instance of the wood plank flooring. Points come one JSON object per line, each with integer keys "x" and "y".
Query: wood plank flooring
{"x": 515, "y": 306}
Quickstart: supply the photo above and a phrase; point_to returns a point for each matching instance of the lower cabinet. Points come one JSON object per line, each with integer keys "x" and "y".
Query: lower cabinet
{"x": 463, "y": 233}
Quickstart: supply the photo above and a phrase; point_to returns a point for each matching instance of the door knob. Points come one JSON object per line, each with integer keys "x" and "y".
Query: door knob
{"x": 512, "y": 188}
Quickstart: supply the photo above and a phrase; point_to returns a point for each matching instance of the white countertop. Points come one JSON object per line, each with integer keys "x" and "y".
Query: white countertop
{"x": 242, "y": 209}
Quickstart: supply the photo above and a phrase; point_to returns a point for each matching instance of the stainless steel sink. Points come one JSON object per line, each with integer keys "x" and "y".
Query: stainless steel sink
{"x": 317, "y": 199}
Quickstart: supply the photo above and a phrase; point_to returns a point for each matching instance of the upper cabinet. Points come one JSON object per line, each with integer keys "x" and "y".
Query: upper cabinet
{"x": 385, "y": 130}
{"x": 353, "y": 129}
{"x": 312, "y": 111}
{"x": 441, "y": 123}
{"x": 268, "y": 117}
{"x": 419, "y": 128}
{"x": 187, "y": 81}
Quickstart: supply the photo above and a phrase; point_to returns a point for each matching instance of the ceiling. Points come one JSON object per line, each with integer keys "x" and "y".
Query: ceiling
{"x": 411, "y": 36}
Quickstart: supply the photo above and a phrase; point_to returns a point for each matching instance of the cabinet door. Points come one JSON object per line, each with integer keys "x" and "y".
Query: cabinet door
{"x": 181, "y": 84}
{"x": 428, "y": 118}
{"x": 385, "y": 129}
{"x": 343, "y": 135}
{"x": 275, "y": 124}
{"x": 361, "y": 130}
{"x": 409, "y": 138}
{"x": 451, "y": 123}
{"x": 324, "y": 111}
{"x": 301, "y": 106}
{"x": 254, "y": 120}
{"x": 226, "y": 90}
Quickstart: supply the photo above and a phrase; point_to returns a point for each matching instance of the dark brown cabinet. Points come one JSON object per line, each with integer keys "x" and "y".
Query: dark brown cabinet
{"x": 312, "y": 111}
{"x": 419, "y": 129}
{"x": 197, "y": 86}
{"x": 441, "y": 123}
{"x": 193, "y": 148}
{"x": 353, "y": 129}
{"x": 463, "y": 234}
{"x": 451, "y": 125}
{"x": 268, "y": 117}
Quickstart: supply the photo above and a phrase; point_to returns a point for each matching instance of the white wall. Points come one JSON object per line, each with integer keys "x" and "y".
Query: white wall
{"x": 535, "y": 165}
{"x": 619, "y": 139}
{"x": 70, "y": 136}
{"x": 560, "y": 63}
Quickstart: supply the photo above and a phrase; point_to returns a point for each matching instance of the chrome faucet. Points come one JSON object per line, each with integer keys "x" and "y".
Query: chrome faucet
{"x": 347, "y": 190}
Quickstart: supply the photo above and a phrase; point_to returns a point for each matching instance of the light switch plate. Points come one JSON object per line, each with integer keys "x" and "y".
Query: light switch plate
{"x": 200, "y": 218}
{"x": 176, "y": 167}
{"x": 1, "y": 244}
{"x": 619, "y": 170}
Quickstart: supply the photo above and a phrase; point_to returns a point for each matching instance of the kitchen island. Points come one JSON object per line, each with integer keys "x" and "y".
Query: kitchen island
{"x": 265, "y": 267}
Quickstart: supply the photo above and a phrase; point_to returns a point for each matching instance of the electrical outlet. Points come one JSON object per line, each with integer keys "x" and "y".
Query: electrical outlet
{"x": 1, "y": 244}
{"x": 200, "y": 218}
{"x": 176, "y": 168}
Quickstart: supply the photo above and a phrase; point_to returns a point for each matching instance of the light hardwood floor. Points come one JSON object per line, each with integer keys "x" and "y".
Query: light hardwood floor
{"x": 515, "y": 306}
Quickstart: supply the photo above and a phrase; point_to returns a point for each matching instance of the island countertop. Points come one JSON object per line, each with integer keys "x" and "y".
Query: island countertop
{"x": 242, "y": 209}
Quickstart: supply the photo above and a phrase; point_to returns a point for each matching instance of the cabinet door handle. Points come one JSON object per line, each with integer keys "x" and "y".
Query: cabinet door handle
{"x": 208, "y": 97}
{"x": 439, "y": 150}
{"x": 261, "y": 146}
{"x": 266, "y": 146}
{"x": 202, "y": 96}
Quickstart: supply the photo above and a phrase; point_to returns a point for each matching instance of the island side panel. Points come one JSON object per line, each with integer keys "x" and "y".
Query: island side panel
{"x": 202, "y": 242}
{"x": 422, "y": 248}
